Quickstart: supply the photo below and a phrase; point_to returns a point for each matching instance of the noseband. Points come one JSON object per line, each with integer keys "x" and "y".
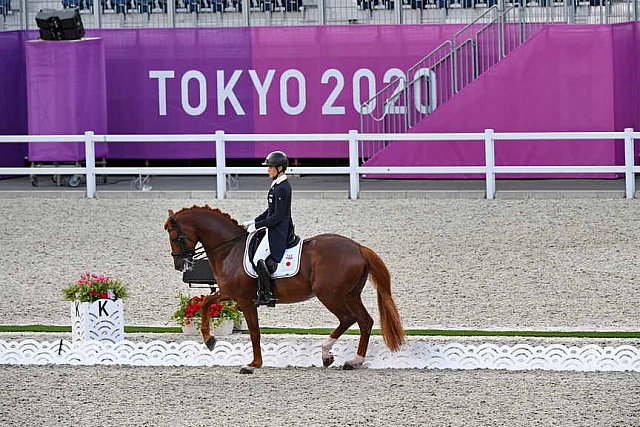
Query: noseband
{"x": 189, "y": 256}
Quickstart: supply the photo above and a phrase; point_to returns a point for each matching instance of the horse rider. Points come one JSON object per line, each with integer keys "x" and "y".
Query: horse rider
{"x": 277, "y": 220}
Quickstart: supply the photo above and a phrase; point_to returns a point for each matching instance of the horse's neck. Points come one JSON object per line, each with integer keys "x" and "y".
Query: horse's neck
{"x": 227, "y": 262}
{"x": 214, "y": 233}
{"x": 215, "y": 229}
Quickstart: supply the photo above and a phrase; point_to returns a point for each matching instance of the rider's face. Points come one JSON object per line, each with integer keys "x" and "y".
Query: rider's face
{"x": 272, "y": 171}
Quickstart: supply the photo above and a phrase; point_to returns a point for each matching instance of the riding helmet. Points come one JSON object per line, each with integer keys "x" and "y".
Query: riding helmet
{"x": 276, "y": 158}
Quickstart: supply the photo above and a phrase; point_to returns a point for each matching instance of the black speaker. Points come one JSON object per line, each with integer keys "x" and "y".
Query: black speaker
{"x": 60, "y": 24}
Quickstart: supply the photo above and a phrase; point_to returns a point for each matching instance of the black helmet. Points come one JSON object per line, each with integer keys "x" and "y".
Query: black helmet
{"x": 276, "y": 158}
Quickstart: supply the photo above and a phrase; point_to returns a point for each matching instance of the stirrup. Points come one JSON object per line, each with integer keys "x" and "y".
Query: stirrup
{"x": 264, "y": 299}
{"x": 271, "y": 301}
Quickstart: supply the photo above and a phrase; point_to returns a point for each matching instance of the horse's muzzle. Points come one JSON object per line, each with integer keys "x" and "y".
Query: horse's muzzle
{"x": 182, "y": 264}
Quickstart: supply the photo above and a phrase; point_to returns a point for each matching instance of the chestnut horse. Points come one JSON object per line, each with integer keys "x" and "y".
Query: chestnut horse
{"x": 333, "y": 268}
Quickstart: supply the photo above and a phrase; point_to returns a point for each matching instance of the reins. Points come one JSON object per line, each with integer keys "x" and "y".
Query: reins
{"x": 219, "y": 247}
{"x": 191, "y": 255}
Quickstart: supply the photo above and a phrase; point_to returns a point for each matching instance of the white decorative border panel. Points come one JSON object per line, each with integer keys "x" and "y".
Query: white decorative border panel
{"x": 415, "y": 355}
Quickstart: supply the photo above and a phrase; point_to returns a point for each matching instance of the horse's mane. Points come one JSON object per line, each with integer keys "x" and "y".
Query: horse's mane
{"x": 207, "y": 208}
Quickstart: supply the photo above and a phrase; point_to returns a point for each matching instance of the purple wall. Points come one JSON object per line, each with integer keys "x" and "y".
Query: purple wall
{"x": 66, "y": 93}
{"x": 13, "y": 102}
{"x": 566, "y": 78}
{"x": 133, "y": 96}
{"x": 626, "y": 78}
{"x": 233, "y": 62}
{"x": 353, "y": 53}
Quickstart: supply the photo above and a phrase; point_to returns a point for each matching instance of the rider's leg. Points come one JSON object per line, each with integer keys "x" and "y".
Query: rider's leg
{"x": 271, "y": 264}
{"x": 264, "y": 270}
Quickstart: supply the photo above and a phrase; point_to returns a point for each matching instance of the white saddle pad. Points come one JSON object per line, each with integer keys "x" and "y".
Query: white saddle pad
{"x": 287, "y": 267}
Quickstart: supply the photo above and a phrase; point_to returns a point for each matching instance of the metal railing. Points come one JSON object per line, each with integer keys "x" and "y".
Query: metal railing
{"x": 20, "y": 14}
{"x": 443, "y": 73}
{"x": 354, "y": 170}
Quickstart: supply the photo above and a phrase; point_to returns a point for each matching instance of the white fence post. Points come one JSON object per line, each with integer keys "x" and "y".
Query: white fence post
{"x": 171, "y": 12}
{"x": 629, "y": 176}
{"x": 354, "y": 176}
{"x": 24, "y": 16}
{"x": 90, "y": 160}
{"x": 490, "y": 162}
{"x": 221, "y": 179}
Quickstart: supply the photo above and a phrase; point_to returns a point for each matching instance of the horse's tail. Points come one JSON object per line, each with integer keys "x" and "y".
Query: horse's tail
{"x": 392, "y": 330}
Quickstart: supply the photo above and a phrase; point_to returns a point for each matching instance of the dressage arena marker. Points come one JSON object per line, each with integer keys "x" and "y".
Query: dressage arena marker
{"x": 420, "y": 355}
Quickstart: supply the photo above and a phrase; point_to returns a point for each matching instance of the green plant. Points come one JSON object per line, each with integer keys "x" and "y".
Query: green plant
{"x": 190, "y": 311}
{"x": 92, "y": 287}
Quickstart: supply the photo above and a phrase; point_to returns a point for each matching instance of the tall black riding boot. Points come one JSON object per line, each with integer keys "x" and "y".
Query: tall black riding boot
{"x": 265, "y": 295}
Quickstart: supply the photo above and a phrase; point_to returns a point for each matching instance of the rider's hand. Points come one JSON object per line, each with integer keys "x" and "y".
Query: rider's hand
{"x": 251, "y": 228}
{"x": 248, "y": 223}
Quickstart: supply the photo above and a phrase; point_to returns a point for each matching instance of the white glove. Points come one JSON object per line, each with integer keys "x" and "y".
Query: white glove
{"x": 248, "y": 223}
{"x": 251, "y": 226}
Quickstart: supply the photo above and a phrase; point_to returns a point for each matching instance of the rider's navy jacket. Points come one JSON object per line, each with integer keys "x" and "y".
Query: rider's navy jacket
{"x": 277, "y": 217}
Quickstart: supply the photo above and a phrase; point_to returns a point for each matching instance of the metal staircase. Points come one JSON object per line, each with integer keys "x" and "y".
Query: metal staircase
{"x": 443, "y": 73}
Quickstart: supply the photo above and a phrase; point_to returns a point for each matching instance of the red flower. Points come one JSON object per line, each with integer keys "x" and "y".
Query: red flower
{"x": 215, "y": 309}
{"x": 104, "y": 295}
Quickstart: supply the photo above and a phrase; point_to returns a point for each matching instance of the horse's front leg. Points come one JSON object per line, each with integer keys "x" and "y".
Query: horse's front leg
{"x": 205, "y": 327}
{"x": 251, "y": 316}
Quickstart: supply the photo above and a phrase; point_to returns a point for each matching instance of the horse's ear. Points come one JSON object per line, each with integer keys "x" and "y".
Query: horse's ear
{"x": 171, "y": 216}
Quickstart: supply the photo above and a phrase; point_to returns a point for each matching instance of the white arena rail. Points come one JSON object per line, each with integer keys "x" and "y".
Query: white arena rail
{"x": 354, "y": 170}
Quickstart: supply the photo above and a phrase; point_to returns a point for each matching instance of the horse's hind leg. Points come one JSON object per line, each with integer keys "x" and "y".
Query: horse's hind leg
{"x": 353, "y": 301}
{"x": 346, "y": 318}
{"x": 365, "y": 322}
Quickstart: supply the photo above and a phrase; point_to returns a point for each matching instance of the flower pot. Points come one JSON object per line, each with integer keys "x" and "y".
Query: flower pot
{"x": 101, "y": 320}
{"x": 191, "y": 329}
{"x": 224, "y": 328}
{"x": 240, "y": 325}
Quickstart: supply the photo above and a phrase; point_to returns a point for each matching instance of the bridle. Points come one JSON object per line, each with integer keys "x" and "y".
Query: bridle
{"x": 190, "y": 256}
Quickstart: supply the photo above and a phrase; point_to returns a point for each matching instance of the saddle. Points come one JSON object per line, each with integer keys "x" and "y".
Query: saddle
{"x": 258, "y": 248}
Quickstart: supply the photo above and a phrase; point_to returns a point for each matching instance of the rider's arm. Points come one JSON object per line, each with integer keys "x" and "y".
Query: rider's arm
{"x": 281, "y": 199}
{"x": 262, "y": 216}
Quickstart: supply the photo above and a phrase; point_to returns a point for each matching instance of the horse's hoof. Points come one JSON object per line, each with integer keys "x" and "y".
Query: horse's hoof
{"x": 328, "y": 361}
{"x": 211, "y": 343}
{"x": 247, "y": 370}
{"x": 347, "y": 367}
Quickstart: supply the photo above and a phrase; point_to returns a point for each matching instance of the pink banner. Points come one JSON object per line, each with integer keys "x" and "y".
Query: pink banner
{"x": 312, "y": 80}
{"x": 566, "y": 78}
{"x": 66, "y": 95}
